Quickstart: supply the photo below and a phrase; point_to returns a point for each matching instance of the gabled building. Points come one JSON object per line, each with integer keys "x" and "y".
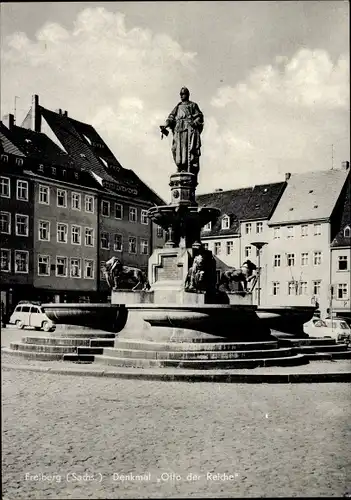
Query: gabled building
{"x": 16, "y": 223}
{"x": 340, "y": 262}
{"x": 297, "y": 258}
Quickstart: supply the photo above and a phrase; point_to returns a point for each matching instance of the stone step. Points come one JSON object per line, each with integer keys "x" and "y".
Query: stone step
{"x": 308, "y": 341}
{"x": 85, "y": 334}
{"x": 294, "y": 360}
{"x": 320, "y": 348}
{"x": 18, "y": 346}
{"x": 144, "y": 345}
{"x": 317, "y": 356}
{"x": 39, "y": 356}
{"x": 195, "y": 355}
{"x": 57, "y": 341}
{"x": 79, "y": 358}
{"x": 89, "y": 350}
{"x": 341, "y": 355}
{"x": 101, "y": 342}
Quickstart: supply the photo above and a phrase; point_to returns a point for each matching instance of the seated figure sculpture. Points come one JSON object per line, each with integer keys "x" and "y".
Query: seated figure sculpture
{"x": 201, "y": 276}
{"x": 116, "y": 273}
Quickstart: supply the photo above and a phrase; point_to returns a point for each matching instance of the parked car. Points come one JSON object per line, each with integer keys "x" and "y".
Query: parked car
{"x": 333, "y": 328}
{"x": 29, "y": 314}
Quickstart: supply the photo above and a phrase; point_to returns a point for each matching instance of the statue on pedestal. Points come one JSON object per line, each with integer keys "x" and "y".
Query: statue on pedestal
{"x": 186, "y": 122}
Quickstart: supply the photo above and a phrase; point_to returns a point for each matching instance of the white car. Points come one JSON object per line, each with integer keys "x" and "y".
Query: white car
{"x": 334, "y": 328}
{"x": 31, "y": 315}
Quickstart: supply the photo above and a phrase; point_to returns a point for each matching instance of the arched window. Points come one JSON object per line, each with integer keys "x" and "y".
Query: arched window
{"x": 347, "y": 232}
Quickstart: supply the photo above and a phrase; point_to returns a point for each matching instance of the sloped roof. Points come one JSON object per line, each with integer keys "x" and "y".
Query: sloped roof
{"x": 251, "y": 203}
{"x": 340, "y": 239}
{"x": 39, "y": 146}
{"x": 91, "y": 153}
{"x": 232, "y": 203}
{"x": 6, "y": 144}
{"x": 309, "y": 196}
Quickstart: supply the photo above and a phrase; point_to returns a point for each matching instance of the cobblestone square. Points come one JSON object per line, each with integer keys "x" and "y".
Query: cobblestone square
{"x": 89, "y": 437}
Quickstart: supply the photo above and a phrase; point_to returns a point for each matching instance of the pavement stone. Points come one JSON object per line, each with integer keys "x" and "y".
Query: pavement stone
{"x": 274, "y": 440}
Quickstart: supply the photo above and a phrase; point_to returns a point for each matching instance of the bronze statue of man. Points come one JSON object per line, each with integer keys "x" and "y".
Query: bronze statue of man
{"x": 186, "y": 122}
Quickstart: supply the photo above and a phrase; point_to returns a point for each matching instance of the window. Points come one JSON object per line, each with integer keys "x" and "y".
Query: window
{"x": 105, "y": 241}
{"x": 144, "y": 247}
{"x": 276, "y": 232}
{"x": 89, "y": 269}
{"x": 259, "y": 227}
{"x": 217, "y": 247}
{"x": 41, "y": 168}
{"x": 5, "y": 187}
{"x": 76, "y": 235}
{"x": 304, "y": 230}
{"x": 342, "y": 291}
{"x": 105, "y": 208}
{"x": 132, "y": 244}
{"x": 317, "y": 258}
{"x": 291, "y": 259}
{"x": 248, "y": 228}
{"x": 5, "y": 222}
{"x": 44, "y": 230}
{"x": 205, "y": 245}
{"x": 43, "y": 265}
{"x": 275, "y": 288}
{"x": 61, "y": 266}
{"x": 89, "y": 203}
{"x": 75, "y": 268}
{"x": 159, "y": 232}
{"x": 230, "y": 247}
{"x": 76, "y": 201}
{"x": 89, "y": 237}
{"x": 22, "y": 223}
{"x": 144, "y": 217}
{"x": 5, "y": 260}
{"x": 22, "y": 190}
{"x": 290, "y": 231}
{"x": 118, "y": 243}
{"x": 316, "y": 285}
{"x": 248, "y": 251}
{"x": 208, "y": 226}
{"x": 132, "y": 214}
{"x": 343, "y": 263}
{"x": 276, "y": 261}
{"x": 304, "y": 259}
{"x": 118, "y": 211}
{"x": 291, "y": 288}
{"x": 225, "y": 222}
{"x": 44, "y": 195}
{"x": 21, "y": 261}
{"x": 62, "y": 232}
{"x": 61, "y": 198}
{"x": 303, "y": 288}
{"x": 347, "y": 232}
{"x": 53, "y": 170}
{"x": 317, "y": 229}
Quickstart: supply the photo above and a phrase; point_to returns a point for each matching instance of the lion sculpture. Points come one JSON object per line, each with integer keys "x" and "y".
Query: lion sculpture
{"x": 115, "y": 273}
{"x": 246, "y": 276}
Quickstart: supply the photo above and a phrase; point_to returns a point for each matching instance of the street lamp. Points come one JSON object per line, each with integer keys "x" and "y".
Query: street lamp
{"x": 259, "y": 245}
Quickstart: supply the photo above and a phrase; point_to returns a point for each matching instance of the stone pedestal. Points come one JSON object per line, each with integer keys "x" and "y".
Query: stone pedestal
{"x": 168, "y": 268}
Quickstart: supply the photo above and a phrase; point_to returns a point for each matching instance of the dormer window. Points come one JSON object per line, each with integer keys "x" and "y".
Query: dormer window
{"x": 41, "y": 168}
{"x": 208, "y": 226}
{"x": 225, "y": 222}
{"x": 347, "y": 232}
{"x": 53, "y": 170}
{"x": 19, "y": 162}
{"x": 4, "y": 158}
{"x": 76, "y": 175}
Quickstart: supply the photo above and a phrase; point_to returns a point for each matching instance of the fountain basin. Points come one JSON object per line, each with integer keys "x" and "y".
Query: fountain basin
{"x": 286, "y": 319}
{"x": 108, "y": 317}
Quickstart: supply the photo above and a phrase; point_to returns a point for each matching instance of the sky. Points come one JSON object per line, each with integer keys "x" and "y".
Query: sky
{"x": 271, "y": 77}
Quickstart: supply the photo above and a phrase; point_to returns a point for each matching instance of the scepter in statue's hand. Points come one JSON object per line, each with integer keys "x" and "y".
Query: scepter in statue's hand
{"x": 164, "y": 131}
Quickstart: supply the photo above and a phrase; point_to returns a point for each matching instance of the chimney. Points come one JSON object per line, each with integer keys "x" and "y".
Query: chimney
{"x": 36, "y": 116}
{"x": 65, "y": 113}
{"x": 9, "y": 121}
{"x": 287, "y": 176}
{"x": 345, "y": 165}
